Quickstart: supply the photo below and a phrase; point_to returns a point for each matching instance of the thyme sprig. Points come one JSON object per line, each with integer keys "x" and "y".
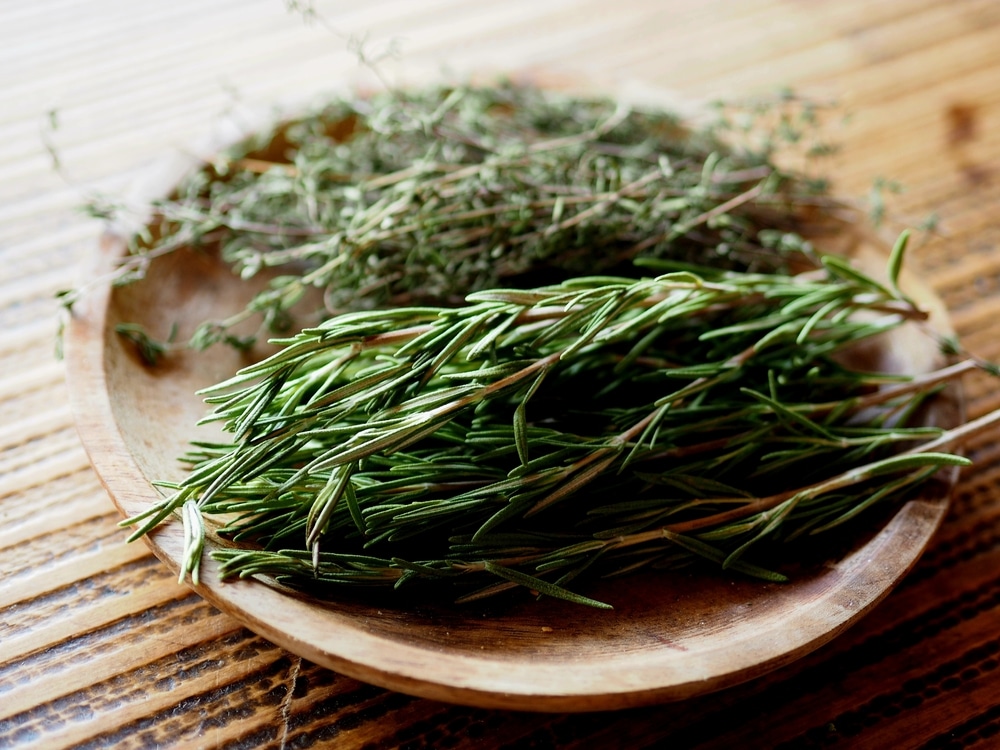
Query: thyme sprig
{"x": 599, "y": 425}
{"x": 406, "y": 198}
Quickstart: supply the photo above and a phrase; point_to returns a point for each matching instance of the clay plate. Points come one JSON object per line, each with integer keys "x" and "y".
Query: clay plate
{"x": 669, "y": 637}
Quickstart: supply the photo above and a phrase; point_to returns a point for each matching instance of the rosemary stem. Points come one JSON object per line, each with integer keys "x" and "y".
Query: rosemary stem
{"x": 952, "y": 438}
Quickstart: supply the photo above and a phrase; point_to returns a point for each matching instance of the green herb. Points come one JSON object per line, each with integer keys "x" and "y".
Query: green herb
{"x": 499, "y": 397}
{"x": 422, "y": 197}
{"x": 598, "y": 425}
{"x": 150, "y": 350}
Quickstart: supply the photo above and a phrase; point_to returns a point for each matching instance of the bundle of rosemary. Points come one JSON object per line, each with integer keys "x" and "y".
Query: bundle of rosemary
{"x": 482, "y": 408}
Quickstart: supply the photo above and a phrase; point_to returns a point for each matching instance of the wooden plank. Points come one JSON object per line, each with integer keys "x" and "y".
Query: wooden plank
{"x": 112, "y": 607}
{"x": 107, "y": 654}
{"x": 64, "y": 508}
{"x": 83, "y": 565}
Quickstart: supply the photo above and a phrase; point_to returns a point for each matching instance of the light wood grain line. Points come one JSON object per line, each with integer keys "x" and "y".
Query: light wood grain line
{"x": 926, "y": 161}
{"x": 36, "y": 286}
{"x": 916, "y": 149}
{"x": 26, "y": 337}
{"x": 332, "y": 700}
{"x": 32, "y": 557}
{"x": 26, "y": 311}
{"x": 949, "y": 263}
{"x": 89, "y": 665}
{"x": 156, "y": 703}
{"x": 50, "y": 495}
{"x": 81, "y": 567}
{"x": 934, "y": 37}
{"x": 917, "y": 152}
{"x": 33, "y": 426}
{"x": 32, "y": 450}
{"x": 34, "y": 12}
{"x": 350, "y": 717}
{"x": 341, "y": 726}
{"x": 112, "y": 608}
{"x": 32, "y": 256}
{"x": 979, "y": 319}
{"x": 66, "y": 508}
{"x": 186, "y": 93}
{"x": 886, "y": 45}
{"x": 747, "y": 32}
{"x": 966, "y": 231}
{"x": 129, "y": 24}
{"x": 107, "y": 48}
{"x": 41, "y": 500}
{"x": 181, "y": 90}
{"x": 749, "y": 54}
{"x": 78, "y": 597}
{"x": 45, "y": 471}
{"x": 275, "y": 36}
{"x": 961, "y": 278}
{"x": 37, "y": 204}
{"x": 22, "y": 381}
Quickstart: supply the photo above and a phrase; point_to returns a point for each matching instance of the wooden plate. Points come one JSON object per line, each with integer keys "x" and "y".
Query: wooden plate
{"x": 670, "y": 636}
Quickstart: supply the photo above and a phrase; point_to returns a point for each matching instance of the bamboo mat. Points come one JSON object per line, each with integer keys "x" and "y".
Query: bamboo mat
{"x": 99, "y": 647}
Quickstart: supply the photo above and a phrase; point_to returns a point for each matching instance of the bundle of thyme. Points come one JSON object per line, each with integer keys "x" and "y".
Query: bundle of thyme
{"x": 420, "y": 197}
{"x": 562, "y": 337}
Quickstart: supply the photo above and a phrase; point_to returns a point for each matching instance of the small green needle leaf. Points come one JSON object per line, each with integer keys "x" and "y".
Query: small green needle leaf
{"x": 543, "y": 587}
{"x": 896, "y": 263}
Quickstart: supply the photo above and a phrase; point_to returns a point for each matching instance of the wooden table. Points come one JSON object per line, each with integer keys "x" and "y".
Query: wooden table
{"x": 99, "y": 647}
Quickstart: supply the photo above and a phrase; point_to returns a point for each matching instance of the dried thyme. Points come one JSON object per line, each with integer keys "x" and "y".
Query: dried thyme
{"x": 425, "y": 196}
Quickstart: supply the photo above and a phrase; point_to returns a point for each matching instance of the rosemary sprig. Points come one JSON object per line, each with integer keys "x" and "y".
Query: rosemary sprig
{"x": 600, "y": 425}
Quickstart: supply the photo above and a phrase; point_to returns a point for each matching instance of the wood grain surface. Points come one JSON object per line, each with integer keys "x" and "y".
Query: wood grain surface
{"x": 99, "y": 647}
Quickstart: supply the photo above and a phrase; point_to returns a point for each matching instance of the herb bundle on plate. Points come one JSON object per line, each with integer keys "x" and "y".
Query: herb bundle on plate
{"x": 563, "y": 338}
